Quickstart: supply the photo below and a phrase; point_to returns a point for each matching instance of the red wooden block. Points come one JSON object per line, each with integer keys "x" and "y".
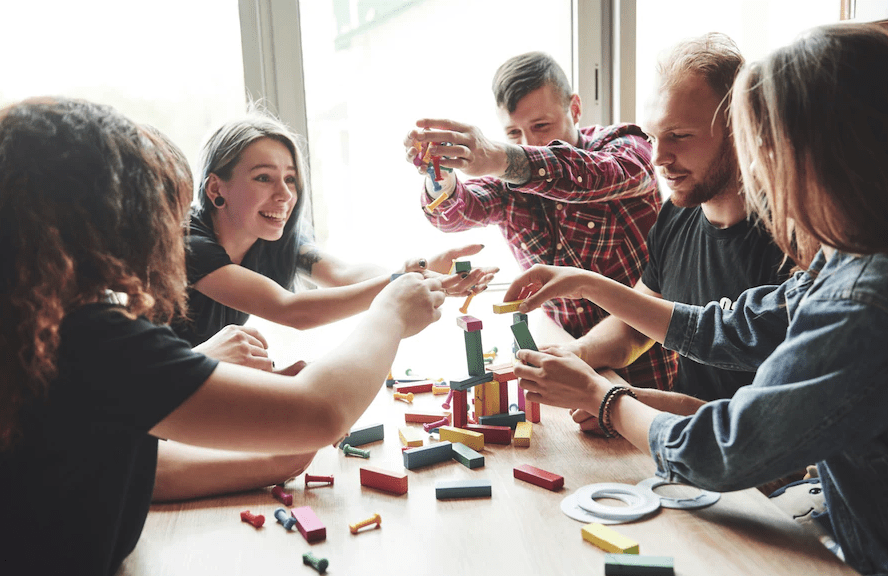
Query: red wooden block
{"x": 312, "y": 529}
{"x": 460, "y": 409}
{"x": 415, "y": 387}
{"x": 392, "y": 482}
{"x": 532, "y": 411}
{"x": 492, "y": 434}
{"x": 504, "y": 397}
{"x": 503, "y": 372}
{"x": 422, "y": 417}
{"x": 539, "y": 477}
{"x": 468, "y": 323}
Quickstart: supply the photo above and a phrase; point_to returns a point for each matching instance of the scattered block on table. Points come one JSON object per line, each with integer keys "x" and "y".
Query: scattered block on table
{"x": 492, "y": 434}
{"x": 410, "y": 436}
{"x": 469, "y": 323}
{"x": 311, "y": 528}
{"x": 462, "y": 489}
{"x": 363, "y": 435}
{"x": 423, "y": 417}
{"x": 474, "y": 440}
{"x": 466, "y": 456}
{"x": 391, "y": 482}
{"x": 523, "y": 433}
{"x": 469, "y": 381}
{"x": 439, "y": 389}
{"x": 426, "y": 455}
{"x": 511, "y": 420}
{"x": 609, "y": 539}
{"x": 523, "y": 337}
{"x": 635, "y": 565}
{"x": 459, "y": 401}
{"x": 507, "y": 307}
{"x": 539, "y": 477}
{"x": 415, "y": 387}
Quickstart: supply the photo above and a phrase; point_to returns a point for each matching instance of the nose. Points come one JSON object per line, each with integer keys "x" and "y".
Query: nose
{"x": 283, "y": 193}
{"x": 661, "y": 155}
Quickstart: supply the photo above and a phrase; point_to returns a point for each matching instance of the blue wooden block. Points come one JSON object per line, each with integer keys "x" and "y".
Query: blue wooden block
{"x": 363, "y": 435}
{"x": 636, "y": 565}
{"x": 466, "y": 456}
{"x": 511, "y": 419}
{"x": 471, "y": 381}
{"x": 425, "y": 455}
{"x": 462, "y": 489}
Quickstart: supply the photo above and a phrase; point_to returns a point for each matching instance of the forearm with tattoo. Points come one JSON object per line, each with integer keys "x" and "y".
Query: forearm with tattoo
{"x": 306, "y": 260}
{"x": 517, "y": 166}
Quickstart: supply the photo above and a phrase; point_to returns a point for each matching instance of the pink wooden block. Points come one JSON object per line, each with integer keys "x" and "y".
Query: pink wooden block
{"x": 468, "y": 323}
{"x": 312, "y": 529}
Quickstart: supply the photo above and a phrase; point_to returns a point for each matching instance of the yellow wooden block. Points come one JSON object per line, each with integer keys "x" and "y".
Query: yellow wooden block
{"x": 474, "y": 440}
{"x": 523, "y": 432}
{"x": 410, "y": 436}
{"x": 507, "y": 307}
{"x": 609, "y": 539}
{"x": 480, "y": 406}
{"x": 491, "y": 397}
{"x": 439, "y": 390}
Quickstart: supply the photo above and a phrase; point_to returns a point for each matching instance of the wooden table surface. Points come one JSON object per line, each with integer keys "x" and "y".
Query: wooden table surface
{"x": 519, "y": 530}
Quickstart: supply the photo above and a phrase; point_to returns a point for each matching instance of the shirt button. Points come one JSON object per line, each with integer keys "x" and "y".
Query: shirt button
{"x": 558, "y": 246}
{"x": 591, "y": 224}
{"x": 523, "y": 246}
{"x": 559, "y": 206}
{"x": 542, "y": 172}
{"x": 580, "y": 179}
{"x": 580, "y": 310}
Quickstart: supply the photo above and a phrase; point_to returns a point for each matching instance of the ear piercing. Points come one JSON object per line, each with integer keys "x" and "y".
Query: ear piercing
{"x": 219, "y": 201}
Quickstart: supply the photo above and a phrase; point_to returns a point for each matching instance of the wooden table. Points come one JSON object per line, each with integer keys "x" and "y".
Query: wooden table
{"x": 519, "y": 530}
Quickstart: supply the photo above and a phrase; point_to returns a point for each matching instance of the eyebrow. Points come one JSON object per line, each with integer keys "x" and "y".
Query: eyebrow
{"x": 271, "y": 167}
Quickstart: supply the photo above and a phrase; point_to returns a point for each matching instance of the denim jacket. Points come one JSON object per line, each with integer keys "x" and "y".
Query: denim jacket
{"x": 819, "y": 344}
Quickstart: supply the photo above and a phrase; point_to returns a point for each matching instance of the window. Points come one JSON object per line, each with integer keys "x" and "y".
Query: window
{"x": 372, "y": 68}
{"x": 176, "y": 65}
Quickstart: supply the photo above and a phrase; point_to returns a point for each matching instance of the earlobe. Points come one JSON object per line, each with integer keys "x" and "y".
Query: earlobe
{"x": 576, "y": 108}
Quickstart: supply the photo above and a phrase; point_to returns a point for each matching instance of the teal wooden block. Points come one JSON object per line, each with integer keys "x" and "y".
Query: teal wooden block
{"x": 466, "y": 456}
{"x": 637, "y": 565}
{"x": 363, "y": 435}
{"x": 511, "y": 419}
{"x": 474, "y": 353}
{"x": 471, "y": 381}
{"x": 462, "y": 266}
{"x": 426, "y": 455}
{"x": 523, "y": 337}
{"x": 462, "y": 489}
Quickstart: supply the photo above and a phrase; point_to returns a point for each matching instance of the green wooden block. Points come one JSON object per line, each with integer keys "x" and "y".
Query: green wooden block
{"x": 474, "y": 353}
{"x": 523, "y": 337}
{"x": 462, "y": 489}
{"x": 462, "y": 266}
{"x": 637, "y": 565}
{"x": 466, "y": 456}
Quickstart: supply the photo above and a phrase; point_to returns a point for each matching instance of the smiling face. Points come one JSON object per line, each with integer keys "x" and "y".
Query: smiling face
{"x": 259, "y": 196}
{"x": 540, "y": 117}
{"x": 692, "y": 151}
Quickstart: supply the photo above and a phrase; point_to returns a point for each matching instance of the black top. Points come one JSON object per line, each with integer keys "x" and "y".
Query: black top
{"x": 204, "y": 255}
{"x": 693, "y": 262}
{"x": 75, "y": 491}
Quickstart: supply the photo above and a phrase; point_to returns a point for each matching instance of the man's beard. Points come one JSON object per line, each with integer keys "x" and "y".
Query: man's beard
{"x": 722, "y": 176}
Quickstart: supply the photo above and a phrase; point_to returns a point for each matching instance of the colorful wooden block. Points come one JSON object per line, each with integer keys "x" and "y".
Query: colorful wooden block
{"x": 311, "y": 528}
{"x": 507, "y": 307}
{"x": 491, "y": 398}
{"x": 492, "y": 434}
{"x": 469, "y": 323}
{"x": 462, "y": 266}
{"x": 609, "y": 539}
{"x": 415, "y": 387}
{"x": 479, "y": 393}
{"x": 363, "y": 435}
{"x": 460, "y": 409}
{"x": 426, "y": 455}
{"x": 422, "y": 417}
{"x": 462, "y": 489}
{"x": 635, "y": 565}
{"x": 511, "y": 420}
{"x": 523, "y": 433}
{"x": 503, "y": 372}
{"x": 466, "y": 456}
{"x": 531, "y": 409}
{"x": 410, "y": 436}
{"x": 503, "y": 398}
{"x": 470, "y": 381}
{"x": 474, "y": 440}
{"x": 523, "y": 337}
{"x": 474, "y": 353}
{"x": 391, "y": 482}
{"x": 539, "y": 477}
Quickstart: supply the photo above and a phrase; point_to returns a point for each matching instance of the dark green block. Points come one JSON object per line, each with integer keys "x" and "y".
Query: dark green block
{"x": 474, "y": 353}
{"x": 636, "y": 565}
{"x": 462, "y": 266}
{"x": 466, "y": 456}
{"x": 523, "y": 337}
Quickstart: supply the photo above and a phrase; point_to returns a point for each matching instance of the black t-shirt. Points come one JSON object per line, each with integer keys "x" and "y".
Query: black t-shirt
{"x": 75, "y": 491}
{"x": 693, "y": 262}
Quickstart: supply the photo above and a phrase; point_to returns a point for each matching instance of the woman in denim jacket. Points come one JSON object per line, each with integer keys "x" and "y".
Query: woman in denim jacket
{"x": 811, "y": 129}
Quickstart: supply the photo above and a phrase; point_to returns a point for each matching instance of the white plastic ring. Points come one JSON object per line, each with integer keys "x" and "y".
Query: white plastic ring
{"x": 705, "y": 498}
{"x": 639, "y": 501}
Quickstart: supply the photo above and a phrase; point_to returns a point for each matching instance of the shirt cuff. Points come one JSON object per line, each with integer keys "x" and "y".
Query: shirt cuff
{"x": 682, "y": 327}
{"x": 658, "y": 435}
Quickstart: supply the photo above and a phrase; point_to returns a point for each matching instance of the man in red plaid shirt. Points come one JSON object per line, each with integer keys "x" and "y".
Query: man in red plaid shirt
{"x": 560, "y": 195}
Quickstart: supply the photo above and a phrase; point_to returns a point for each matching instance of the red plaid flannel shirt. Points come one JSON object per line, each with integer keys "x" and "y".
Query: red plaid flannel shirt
{"x": 588, "y": 207}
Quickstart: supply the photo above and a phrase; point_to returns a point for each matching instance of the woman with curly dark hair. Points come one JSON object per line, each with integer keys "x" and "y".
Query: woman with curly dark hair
{"x": 92, "y": 267}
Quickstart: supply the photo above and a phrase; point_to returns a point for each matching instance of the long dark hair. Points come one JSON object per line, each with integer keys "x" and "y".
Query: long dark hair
{"x": 221, "y": 153}
{"x": 89, "y": 204}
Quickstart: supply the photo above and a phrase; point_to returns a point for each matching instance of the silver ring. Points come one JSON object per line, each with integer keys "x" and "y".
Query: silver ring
{"x": 423, "y": 263}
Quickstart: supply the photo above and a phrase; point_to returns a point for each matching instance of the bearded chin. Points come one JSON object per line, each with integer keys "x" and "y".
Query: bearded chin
{"x": 722, "y": 177}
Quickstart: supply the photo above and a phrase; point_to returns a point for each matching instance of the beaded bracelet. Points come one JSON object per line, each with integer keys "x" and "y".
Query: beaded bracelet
{"x": 605, "y": 408}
